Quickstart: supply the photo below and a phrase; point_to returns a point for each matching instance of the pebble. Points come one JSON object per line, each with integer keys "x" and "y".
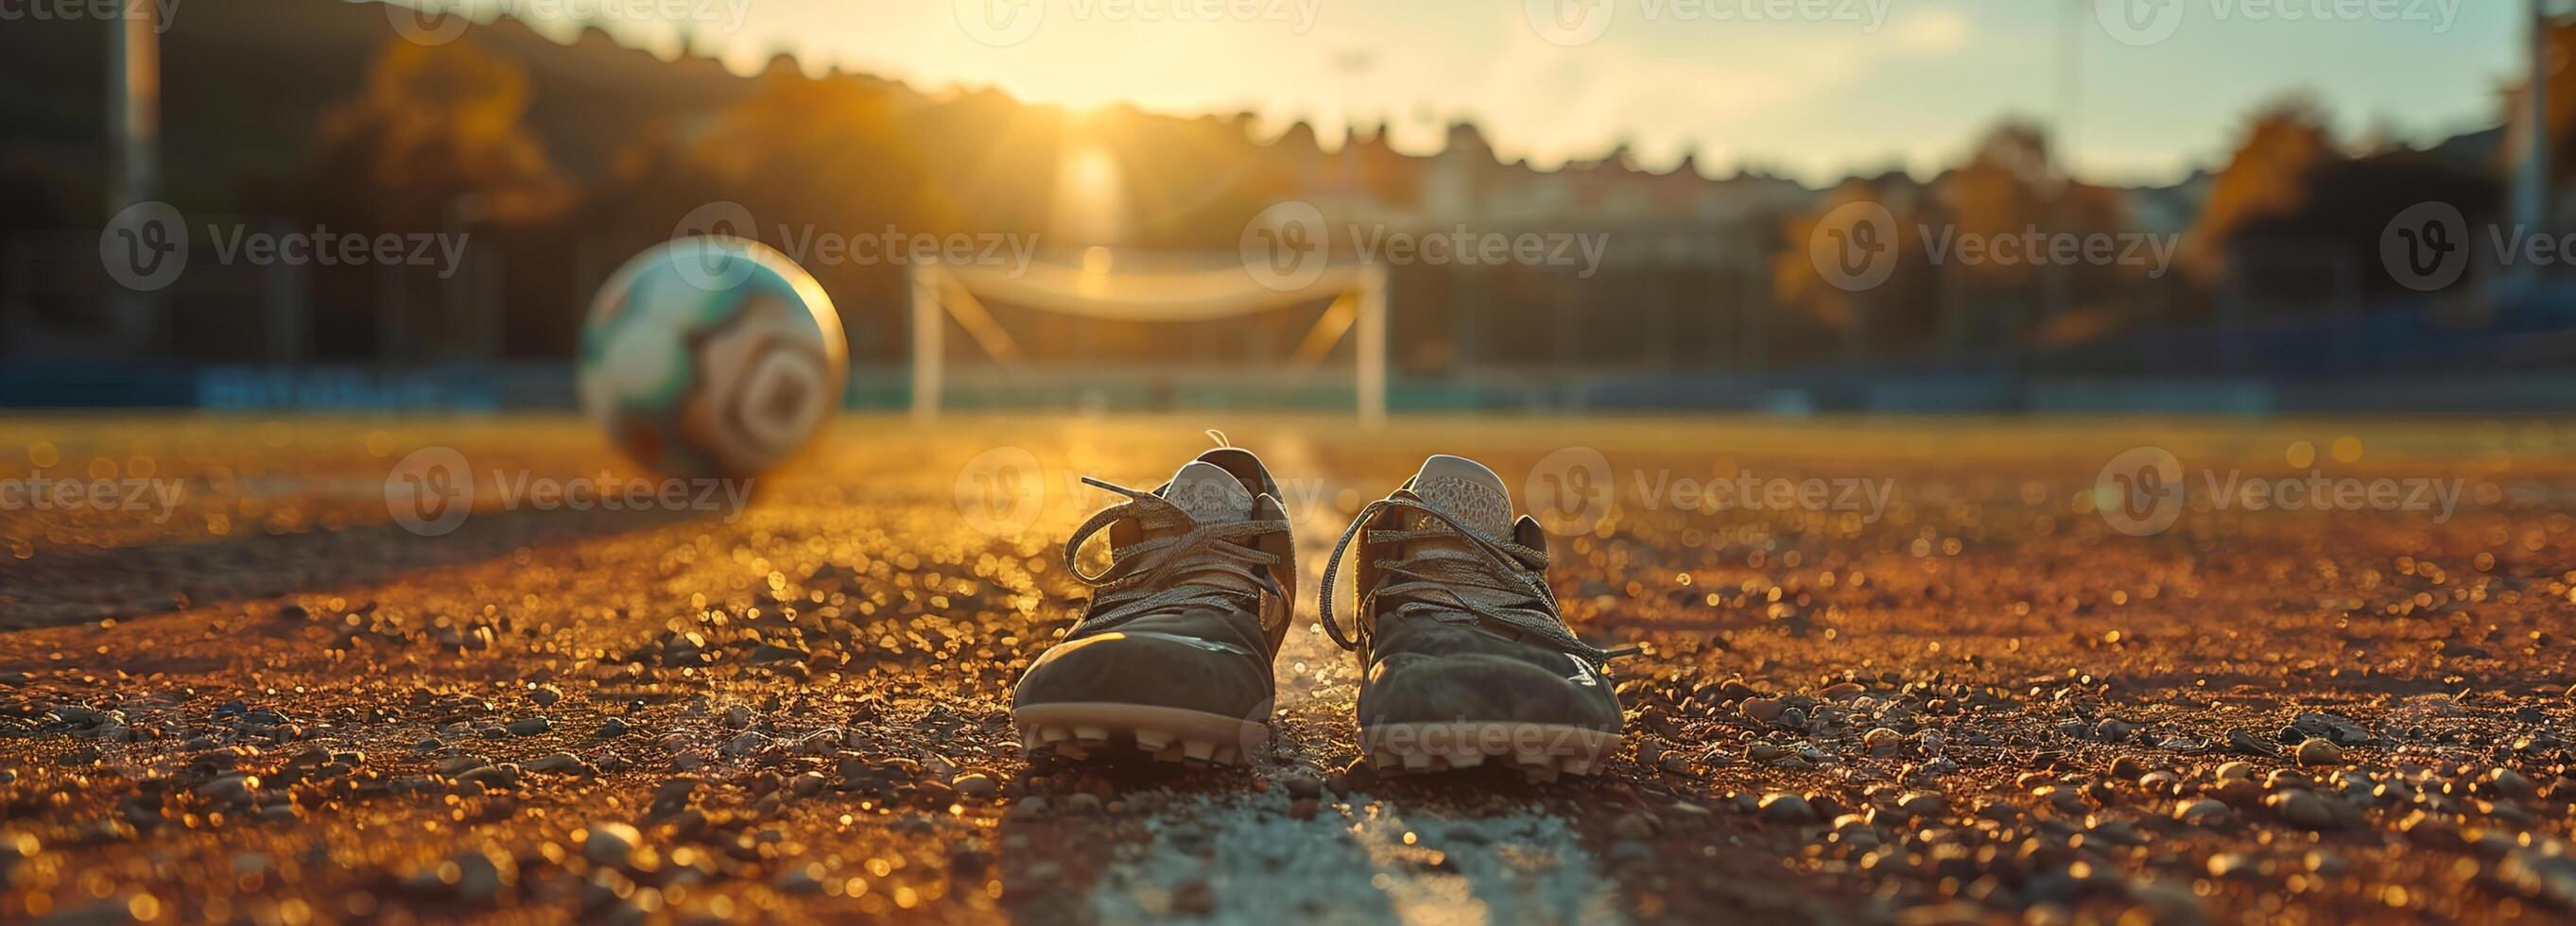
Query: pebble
{"x": 1922, "y": 804}
{"x": 230, "y": 788}
{"x": 975, "y": 785}
{"x": 2318, "y": 750}
{"x": 2512, "y": 784}
{"x": 2203, "y": 812}
{"x": 2303, "y": 808}
{"x": 529, "y": 726}
{"x": 610, "y": 844}
{"x": 558, "y": 762}
{"x": 1783, "y": 807}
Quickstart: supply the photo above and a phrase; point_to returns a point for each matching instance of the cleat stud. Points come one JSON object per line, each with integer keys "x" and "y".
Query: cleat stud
{"x": 1198, "y": 750}
{"x": 1226, "y": 755}
{"x": 1168, "y": 754}
{"x": 1153, "y": 740}
{"x": 1091, "y": 734}
{"x": 1384, "y": 760}
{"x": 1576, "y": 765}
{"x": 1029, "y": 740}
{"x": 1417, "y": 761}
{"x": 1467, "y": 760}
{"x": 1054, "y": 734}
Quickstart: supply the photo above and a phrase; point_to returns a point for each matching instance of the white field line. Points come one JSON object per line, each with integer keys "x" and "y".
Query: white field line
{"x": 1375, "y": 865}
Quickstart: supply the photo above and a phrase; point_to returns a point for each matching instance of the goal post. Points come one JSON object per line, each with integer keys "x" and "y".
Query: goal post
{"x": 943, "y": 293}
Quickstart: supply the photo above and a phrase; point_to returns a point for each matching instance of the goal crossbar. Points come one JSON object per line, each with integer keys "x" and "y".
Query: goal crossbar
{"x": 939, "y": 293}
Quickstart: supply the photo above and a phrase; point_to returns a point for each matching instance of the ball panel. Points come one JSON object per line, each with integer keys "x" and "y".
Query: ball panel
{"x": 712, "y": 356}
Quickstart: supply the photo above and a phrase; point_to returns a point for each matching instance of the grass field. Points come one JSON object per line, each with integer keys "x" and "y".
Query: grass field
{"x": 1897, "y": 669}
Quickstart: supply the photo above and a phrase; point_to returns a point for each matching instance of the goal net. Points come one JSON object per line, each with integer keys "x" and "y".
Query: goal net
{"x": 1083, "y": 299}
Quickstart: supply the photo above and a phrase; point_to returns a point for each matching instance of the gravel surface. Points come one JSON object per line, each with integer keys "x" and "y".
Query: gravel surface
{"x": 1974, "y": 701}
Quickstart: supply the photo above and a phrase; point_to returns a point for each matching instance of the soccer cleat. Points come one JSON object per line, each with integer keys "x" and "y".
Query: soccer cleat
{"x": 1464, "y": 657}
{"x": 1172, "y": 658}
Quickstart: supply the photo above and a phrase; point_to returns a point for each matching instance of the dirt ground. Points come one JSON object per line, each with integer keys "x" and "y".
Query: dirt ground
{"x": 1896, "y": 669}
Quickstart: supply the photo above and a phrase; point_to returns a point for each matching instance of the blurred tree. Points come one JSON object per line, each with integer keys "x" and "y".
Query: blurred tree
{"x": 435, "y": 134}
{"x": 2267, "y": 176}
{"x": 1898, "y": 311}
{"x": 818, "y": 162}
{"x": 2010, "y": 188}
{"x": 433, "y": 144}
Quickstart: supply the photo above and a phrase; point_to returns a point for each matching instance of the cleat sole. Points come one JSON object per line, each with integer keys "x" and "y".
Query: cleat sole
{"x": 1092, "y": 730}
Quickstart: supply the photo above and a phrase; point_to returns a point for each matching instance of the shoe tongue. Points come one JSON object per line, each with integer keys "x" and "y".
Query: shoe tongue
{"x": 1209, "y": 494}
{"x": 1463, "y": 489}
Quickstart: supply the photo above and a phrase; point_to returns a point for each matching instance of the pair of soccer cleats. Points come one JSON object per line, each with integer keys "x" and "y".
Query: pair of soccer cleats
{"x": 1465, "y": 659}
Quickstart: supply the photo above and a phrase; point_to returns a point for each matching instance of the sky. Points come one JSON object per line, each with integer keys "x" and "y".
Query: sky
{"x": 2142, "y": 91}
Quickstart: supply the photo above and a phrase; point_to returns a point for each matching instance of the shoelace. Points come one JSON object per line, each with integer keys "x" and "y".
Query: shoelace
{"x": 1148, "y": 576}
{"x": 1510, "y": 578}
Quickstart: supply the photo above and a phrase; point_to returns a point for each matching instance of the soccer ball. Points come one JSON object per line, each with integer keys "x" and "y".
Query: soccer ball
{"x": 711, "y": 357}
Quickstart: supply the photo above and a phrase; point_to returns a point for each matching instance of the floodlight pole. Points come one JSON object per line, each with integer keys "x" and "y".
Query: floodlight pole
{"x": 928, "y": 346}
{"x": 134, "y": 145}
{"x": 1371, "y": 346}
{"x": 2531, "y": 184}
